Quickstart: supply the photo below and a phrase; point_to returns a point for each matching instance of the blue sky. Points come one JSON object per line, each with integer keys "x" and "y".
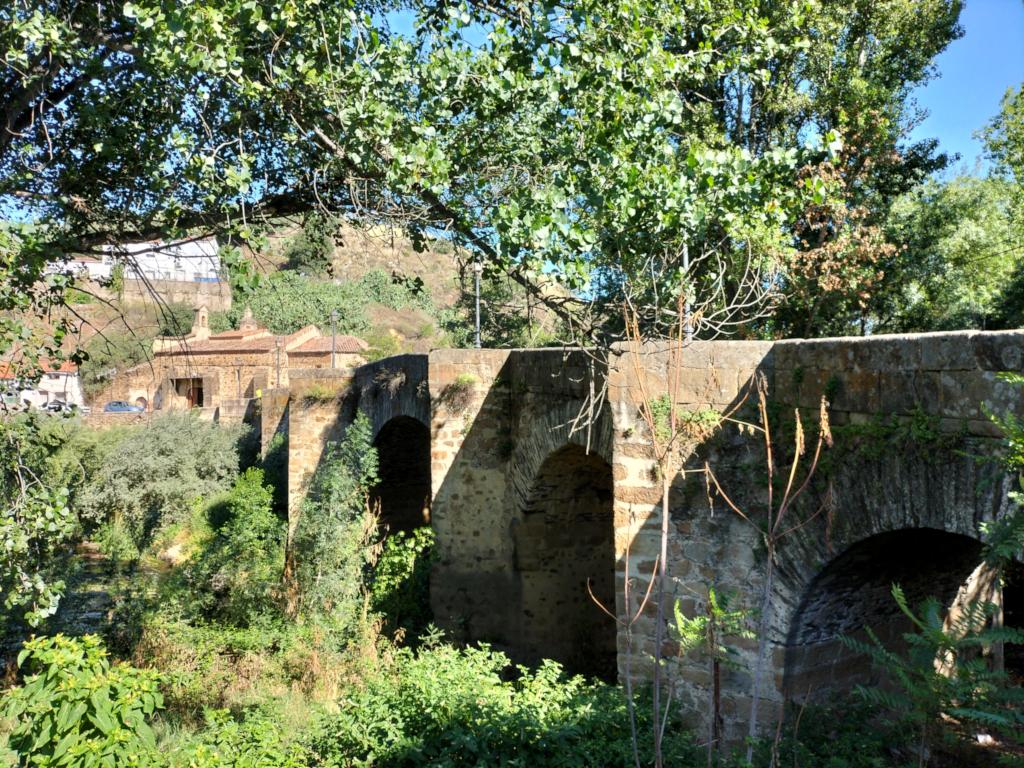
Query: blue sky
{"x": 975, "y": 72}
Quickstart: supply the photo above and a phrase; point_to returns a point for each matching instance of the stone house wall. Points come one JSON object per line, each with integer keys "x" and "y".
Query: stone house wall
{"x": 227, "y": 376}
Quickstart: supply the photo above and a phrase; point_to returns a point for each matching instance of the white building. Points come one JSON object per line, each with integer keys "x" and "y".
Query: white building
{"x": 84, "y": 267}
{"x": 186, "y": 260}
{"x": 60, "y": 383}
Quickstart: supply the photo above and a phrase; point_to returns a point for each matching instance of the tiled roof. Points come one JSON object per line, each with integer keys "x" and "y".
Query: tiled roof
{"x": 240, "y": 333}
{"x": 233, "y": 342}
{"x": 321, "y": 344}
{"x": 9, "y": 370}
{"x": 221, "y": 346}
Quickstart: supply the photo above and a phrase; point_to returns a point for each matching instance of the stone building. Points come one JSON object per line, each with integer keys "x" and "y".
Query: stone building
{"x": 222, "y": 373}
{"x": 349, "y": 352}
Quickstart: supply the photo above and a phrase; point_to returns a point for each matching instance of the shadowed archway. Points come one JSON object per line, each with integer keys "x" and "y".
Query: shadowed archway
{"x": 854, "y": 591}
{"x": 564, "y": 539}
{"x": 403, "y": 450}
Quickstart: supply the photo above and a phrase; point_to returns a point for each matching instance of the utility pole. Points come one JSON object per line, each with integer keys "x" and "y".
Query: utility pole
{"x": 334, "y": 337}
{"x": 478, "y": 268}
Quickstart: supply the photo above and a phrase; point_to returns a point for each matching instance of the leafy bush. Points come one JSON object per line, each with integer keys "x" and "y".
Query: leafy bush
{"x": 110, "y": 353}
{"x": 448, "y": 707}
{"x": 846, "y": 733}
{"x": 115, "y": 282}
{"x": 155, "y": 474}
{"x": 76, "y": 451}
{"x": 333, "y": 533}
{"x": 943, "y": 673}
{"x": 214, "y": 666}
{"x": 312, "y": 249}
{"x": 257, "y": 741}
{"x": 76, "y": 709}
{"x": 235, "y": 575}
{"x": 175, "y": 320}
{"x": 289, "y": 300}
{"x": 37, "y": 526}
{"x": 275, "y": 469}
{"x": 116, "y": 543}
{"x": 400, "y": 585}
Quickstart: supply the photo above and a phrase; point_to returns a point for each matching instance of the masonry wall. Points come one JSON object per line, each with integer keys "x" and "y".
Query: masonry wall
{"x": 214, "y": 296}
{"x": 520, "y": 486}
{"x": 908, "y": 417}
{"x": 225, "y": 377}
{"x": 320, "y": 403}
{"x": 318, "y": 409}
{"x": 273, "y": 407}
{"x": 497, "y": 417}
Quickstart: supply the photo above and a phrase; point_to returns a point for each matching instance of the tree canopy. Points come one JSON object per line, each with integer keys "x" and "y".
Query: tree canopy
{"x": 632, "y": 147}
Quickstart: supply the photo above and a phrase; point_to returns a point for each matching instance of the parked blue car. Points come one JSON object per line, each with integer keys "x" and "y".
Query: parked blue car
{"x": 122, "y": 406}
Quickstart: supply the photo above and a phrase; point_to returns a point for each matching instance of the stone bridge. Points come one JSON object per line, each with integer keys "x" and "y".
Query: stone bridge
{"x": 534, "y": 469}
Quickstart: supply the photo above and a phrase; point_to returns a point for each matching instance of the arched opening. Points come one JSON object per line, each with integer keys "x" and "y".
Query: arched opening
{"x": 854, "y": 591}
{"x": 141, "y": 402}
{"x": 564, "y": 540}
{"x": 403, "y": 450}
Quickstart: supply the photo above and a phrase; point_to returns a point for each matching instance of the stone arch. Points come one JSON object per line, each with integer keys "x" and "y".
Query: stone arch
{"x": 142, "y": 402}
{"x": 547, "y": 430}
{"x": 853, "y": 591}
{"x": 563, "y": 540}
{"x": 403, "y": 493}
{"x": 914, "y": 489}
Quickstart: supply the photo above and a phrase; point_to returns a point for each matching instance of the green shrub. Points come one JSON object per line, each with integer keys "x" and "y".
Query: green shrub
{"x": 289, "y": 300}
{"x": 175, "y": 319}
{"x": 112, "y": 352}
{"x": 256, "y": 741}
{"x": 76, "y": 451}
{"x": 77, "y": 296}
{"x": 38, "y": 528}
{"x": 313, "y": 248}
{"x": 943, "y": 673}
{"x": 116, "y": 543}
{"x": 212, "y": 666}
{"x": 846, "y": 733}
{"x": 318, "y": 394}
{"x": 115, "y": 282}
{"x": 275, "y": 469}
{"x": 383, "y": 344}
{"x": 448, "y": 707}
{"x": 76, "y": 709}
{"x": 234, "y": 577}
{"x": 334, "y": 529}
{"x": 400, "y": 585}
{"x": 154, "y": 475}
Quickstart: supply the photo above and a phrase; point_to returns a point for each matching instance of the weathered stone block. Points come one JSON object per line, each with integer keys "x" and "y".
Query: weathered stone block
{"x": 997, "y": 351}
{"x": 906, "y": 391}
